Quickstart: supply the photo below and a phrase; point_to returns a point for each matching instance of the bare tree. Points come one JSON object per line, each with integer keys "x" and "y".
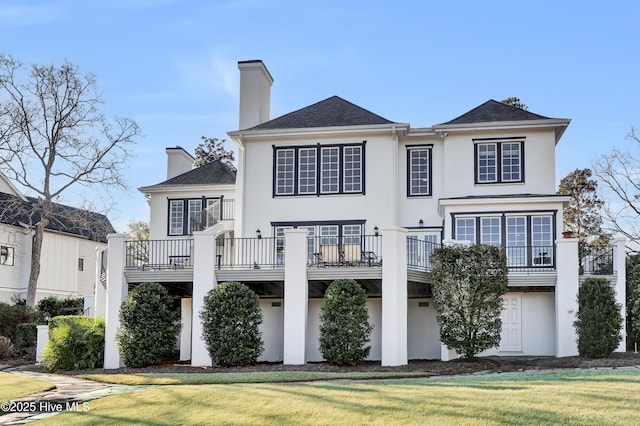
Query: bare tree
{"x": 619, "y": 173}
{"x": 53, "y": 137}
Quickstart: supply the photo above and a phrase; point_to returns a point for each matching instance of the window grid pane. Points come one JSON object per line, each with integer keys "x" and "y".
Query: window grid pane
{"x": 511, "y": 162}
{"x": 419, "y": 172}
{"x": 307, "y": 170}
{"x": 487, "y": 162}
{"x": 352, "y": 169}
{"x": 328, "y": 234}
{"x": 466, "y": 230}
{"x": 195, "y": 216}
{"x": 490, "y": 230}
{"x": 351, "y": 234}
{"x": 516, "y": 241}
{"x": 176, "y": 217}
{"x": 284, "y": 171}
{"x": 330, "y": 159}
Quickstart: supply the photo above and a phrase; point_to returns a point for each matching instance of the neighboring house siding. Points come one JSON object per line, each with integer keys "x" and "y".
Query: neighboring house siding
{"x": 12, "y": 277}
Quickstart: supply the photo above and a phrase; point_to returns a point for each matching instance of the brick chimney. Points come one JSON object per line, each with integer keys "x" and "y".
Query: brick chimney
{"x": 255, "y": 93}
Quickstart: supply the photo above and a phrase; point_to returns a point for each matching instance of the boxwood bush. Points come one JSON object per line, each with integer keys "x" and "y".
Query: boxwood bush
{"x": 231, "y": 319}
{"x": 599, "y": 320}
{"x": 75, "y": 343}
{"x": 344, "y": 324}
{"x": 149, "y": 326}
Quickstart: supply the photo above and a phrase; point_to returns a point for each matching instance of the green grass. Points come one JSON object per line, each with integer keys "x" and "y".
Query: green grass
{"x": 581, "y": 398}
{"x": 233, "y": 378}
{"x": 14, "y": 386}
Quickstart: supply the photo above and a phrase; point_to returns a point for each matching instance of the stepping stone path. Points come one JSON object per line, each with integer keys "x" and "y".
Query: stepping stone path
{"x": 68, "y": 390}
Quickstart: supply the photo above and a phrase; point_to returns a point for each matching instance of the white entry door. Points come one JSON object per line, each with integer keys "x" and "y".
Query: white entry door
{"x": 511, "y": 337}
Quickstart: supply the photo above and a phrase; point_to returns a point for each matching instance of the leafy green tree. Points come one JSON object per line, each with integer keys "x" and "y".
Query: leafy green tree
{"x": 468, "y": 285}
{"x": 344, "y": 324}
{"x": 583, "y": 214}
{"x": 231, "y": 319}
{"x": 149, "y": 326}
{"x": 138, "y": 234}
{"x": 212, "y": 149}
{"x": 515, "y": 102}
{"x": 599, "y": 320}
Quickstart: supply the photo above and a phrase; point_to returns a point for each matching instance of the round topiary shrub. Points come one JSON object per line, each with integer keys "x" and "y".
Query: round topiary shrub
{"x": 231, "y": 319}
{"x": 344, "y": 324}
{"x": 599, "y": 320}
{"x": 149, "y": 326}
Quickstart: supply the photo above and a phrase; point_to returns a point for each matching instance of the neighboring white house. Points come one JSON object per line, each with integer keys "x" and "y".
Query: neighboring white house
{"x": 335, "y": 191}
{"x": 68, "y": 260}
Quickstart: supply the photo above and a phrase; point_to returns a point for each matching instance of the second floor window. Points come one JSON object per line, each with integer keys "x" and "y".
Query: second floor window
{"x": 418, "y": 171}
{"x": 499, "y": 162}
{"x": 319, "y": 170}
{"x": 6, "y": 255}
{"x": 194, "y": 214}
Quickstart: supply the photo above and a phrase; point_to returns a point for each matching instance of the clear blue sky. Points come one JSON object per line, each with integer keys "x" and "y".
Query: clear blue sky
{"x": 171, "y": 64}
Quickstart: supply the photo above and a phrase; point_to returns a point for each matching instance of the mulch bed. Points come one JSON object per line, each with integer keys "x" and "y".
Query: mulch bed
{"x": 436, "y": 368}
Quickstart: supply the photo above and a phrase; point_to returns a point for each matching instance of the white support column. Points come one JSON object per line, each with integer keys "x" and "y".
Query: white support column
{"x": 296, "y": 296}
{"x": 100, "y": 292}
{"x": 394, "y": 297}
{"x": 204, "y": 280}
{"x": 116, "y": 293}
{"x": 42, "y": 337}
{"x": 185, "y": 333}
{"x": 567, "y": 284}
{"x": 620, "y": 286}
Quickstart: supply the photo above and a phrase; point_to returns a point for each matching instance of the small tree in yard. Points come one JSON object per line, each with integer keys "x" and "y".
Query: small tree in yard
{"x": 344, "y": 324}
{"x": 599, "y": 320}
{"x": 231, "y": 320}
{"x": 468, "y": 285}
{"x": 149, "y": 326}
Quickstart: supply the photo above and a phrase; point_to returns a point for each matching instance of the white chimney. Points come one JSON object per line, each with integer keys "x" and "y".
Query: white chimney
{"x": 179, "y": 161}
{"x": 255, "y": 93}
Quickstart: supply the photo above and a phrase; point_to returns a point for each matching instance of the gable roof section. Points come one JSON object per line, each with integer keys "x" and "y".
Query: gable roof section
{"x": 491, "y": 111}
{"x": 214, "y": 173}
{"x": 69, "y": 220}
{"x": 331, "y": 112}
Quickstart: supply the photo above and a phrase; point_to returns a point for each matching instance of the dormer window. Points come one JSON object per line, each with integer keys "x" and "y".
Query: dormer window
{"x": 499, "y": 161}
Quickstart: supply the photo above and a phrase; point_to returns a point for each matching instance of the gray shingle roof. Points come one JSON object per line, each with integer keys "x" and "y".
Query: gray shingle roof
{"x": 215, "y": 173}
{"x": 70, "y": 220}
{"x": 333, "y": 111}
{"x": 495, "y": 111}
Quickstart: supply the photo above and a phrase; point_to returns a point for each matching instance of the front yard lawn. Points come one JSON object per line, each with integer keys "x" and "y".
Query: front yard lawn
{"x": 14, "y": 386}
{"x": 576, "y": 398}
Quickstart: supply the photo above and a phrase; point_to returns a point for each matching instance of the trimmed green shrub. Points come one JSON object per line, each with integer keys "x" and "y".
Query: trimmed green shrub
{"x": 231, "y": 319}
{"x": 149, "y": 326}
{"x": 12, "y": 315}
{"x": 634, "y": 331}
{"x": 6, "y": 347}
{"x": 599, "y": 320}
{"x": 56, "y": 307}
{"x": 75, "y": 343}
{"x": 344, "y": 324}
{"x": 26, "y": 334}
{"x": 468, "y": 285}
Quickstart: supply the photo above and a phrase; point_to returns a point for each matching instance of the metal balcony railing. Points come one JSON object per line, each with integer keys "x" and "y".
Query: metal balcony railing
{"x": 347, "y": 250}
{"x": 598, "y": 264}
{"x": 250, "y": 253}
{"x": 159, "y": 254}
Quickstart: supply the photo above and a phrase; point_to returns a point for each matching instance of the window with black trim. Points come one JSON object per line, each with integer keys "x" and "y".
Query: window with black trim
{"x": 81, "y": 264}
{"x": 192, "y": 214}
{"x": 499, "y": 161}
{"x": 418, "y": 171}
{"x": 6, "y": 255}
{"x": 319, "y": 170}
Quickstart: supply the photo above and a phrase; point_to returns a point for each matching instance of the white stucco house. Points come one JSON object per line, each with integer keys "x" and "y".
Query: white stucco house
{"x": 68, "y": 260}
{"x": 333, "y": 191}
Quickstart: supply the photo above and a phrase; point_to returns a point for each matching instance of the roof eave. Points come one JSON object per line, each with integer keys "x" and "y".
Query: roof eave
{"x": 329, "y": 130}
{"x": 181, "y": 187}
{"x": 560, "y": 124}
